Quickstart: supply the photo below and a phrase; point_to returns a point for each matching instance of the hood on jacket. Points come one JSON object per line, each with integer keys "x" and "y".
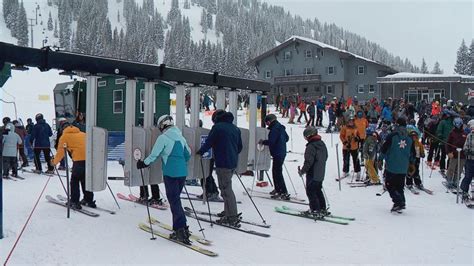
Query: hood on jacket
{"x": 314, "y": 138}
{"x": 70, "y": 129}
{"x": 228, "y": 117}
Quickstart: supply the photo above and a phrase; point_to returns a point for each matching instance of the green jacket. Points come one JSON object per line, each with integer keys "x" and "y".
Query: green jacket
{"x": 371, "y": 148}
{"x": 444, "y": 128}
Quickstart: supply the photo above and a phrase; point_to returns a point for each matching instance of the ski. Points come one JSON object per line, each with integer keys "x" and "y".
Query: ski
{"x": 61, "y": 203}
{"x": 64, "y": 199}
{"x": 292, "y": 201}
{"x": 135, "y": 198}
{"x": 215, "y": 215}
{"x": 252, "y": 232}
{"x": 9, "y": 178}
{"x": 170, "y": 228}
{"x": 251, "y": 191}
{"x": 199, "y": 249}
{"x": 123, "y": 197}
{"x": 342, "y": 177}
{"x": 33, "y": 172}
{"x": 195, "y": 197}
{"x": 428, "y": 191}
{"x": 300, "y": 214}
{"x": 451, "y": 189}
{"x": 329, "y": 216}
{"x": 413, "y": 190}
{"x": 18, "y": 177}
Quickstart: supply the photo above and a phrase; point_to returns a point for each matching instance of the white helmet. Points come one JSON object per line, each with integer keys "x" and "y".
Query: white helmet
{"x": 164, "y": 122}
{"x": 450, "y": 103}
{"x": 10, "y": 127}
{"x": 471, "y": 124}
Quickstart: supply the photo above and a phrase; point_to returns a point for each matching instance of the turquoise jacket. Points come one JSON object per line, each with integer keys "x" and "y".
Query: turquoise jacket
{"x": 398, "y": 151}
{"x": 174, "y": 152}
{"x": 444, "y": 128}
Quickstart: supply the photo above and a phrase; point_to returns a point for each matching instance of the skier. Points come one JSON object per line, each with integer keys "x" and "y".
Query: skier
{"x": 361, "y": 124}
{"x": 21, "y": 131}
{"x": 456, "y": 139}
{"x": 315, "y": 157}
{"x": 397, "y": 151}
{"x": 302, "y": 108}
{"x": 80, "y": 122}
{"x": 211, "y": 188}
{"x": 442, "y": 132}
{"x": 319, "y": 112}
{"x": 311, "y": 110}
{"x": 430, "y": 132}
{"x": 349, "y": 136}
{"x": 10, "y": 148}
{"x": 226, "y": 143}
{"x": 175, "y": 153}
{"x": 469, "y": 165}
{"x": 277, "y": 139}
{"x": 40, "y": 140}
{"x": 370, "y": 151}
{"x": 414, "y": 168}
{"x": 75, "y": 142}
{"x": 29, "y": 130}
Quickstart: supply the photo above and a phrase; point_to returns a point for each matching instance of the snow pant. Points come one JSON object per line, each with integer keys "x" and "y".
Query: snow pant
{"x": 433, "y": 152}
{"x": 10, "y": 163}
{"x": 277, "y": 173}
{"x": 47, "y": 157}
{"x": 442, "y": 159}
{"x": 173, "y": 187}
{"x": 78, "y": 175}
{"x": 310, "y": 121}
{"x": 371, "y": 171}
{"x": 361, "y": 148}
{"x": 21, "y": 151}
{"x": 302, "y": 113}
{"x": 224, "y": 177}
{"x": 211, "y": 186}
{"x": 316, "y": 199}
{"x": 395, "y": 184}
{"x": 469, "y": 172}
{"x": 415, "y": 176}
{"x": 155, "y": 192}
{"x": 452, "y": 174}
{"x": 319, "y": 118}
{"x": 332, "y": 123}
{"x": 346, "y": 155}
{"x": 29, "y": 149}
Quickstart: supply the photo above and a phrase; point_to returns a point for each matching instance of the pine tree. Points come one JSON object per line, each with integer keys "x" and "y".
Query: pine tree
{"x": 174, "y": 12}
{"x": 203, "y": 22}
{"x": 437, "y": 69}
{"x": 209, "y": 21}
{"x": 50, "y": 22}
{"x": 424, "y": 67}
{"x": 56, "y": 34}
{"x": 462, "y": 65}
{"x": 186, "y": 4}
{"x": 471, "y": 58}
{"x": 22, "y": 26}
{"x": 118, "y": 15}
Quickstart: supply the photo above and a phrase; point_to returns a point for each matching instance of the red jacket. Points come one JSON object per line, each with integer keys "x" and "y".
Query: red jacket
{"x": 456, "y": 138}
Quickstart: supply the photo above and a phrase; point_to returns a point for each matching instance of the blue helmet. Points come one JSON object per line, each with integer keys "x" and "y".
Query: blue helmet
{"x": 457, "y": 122}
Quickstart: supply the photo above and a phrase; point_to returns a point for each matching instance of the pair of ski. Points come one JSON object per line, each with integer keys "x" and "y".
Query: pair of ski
{"x": 329, "y": 218}
{"x": 62, "y": 201}
{"x": 362, "y": 184}
{"x": 135, "y": 199}
{"x": 204, "y": 219}
{"x": 416, "y": 191}
{"x": 450, "y": 188}
{"x": 147, "y": 228}
{"x": 13, "y": 178}
{"x": 266, "y": 195}
{"x": 206, "y": 214}
{"x": 196, "y": 197}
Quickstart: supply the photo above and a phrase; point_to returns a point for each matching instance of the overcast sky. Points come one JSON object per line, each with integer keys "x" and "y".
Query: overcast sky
{"x": 414, "y": 29}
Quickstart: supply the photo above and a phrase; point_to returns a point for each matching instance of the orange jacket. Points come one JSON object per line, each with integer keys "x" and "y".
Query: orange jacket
{"x": 361, "y": 124}
{"x": 75, "y": 141}
{"x": 349, "y": 136}
{"x": 302, "y": 106}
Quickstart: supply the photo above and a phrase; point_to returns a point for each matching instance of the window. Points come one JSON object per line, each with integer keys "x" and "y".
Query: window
{"x": 102, "y": 83}
{"x": 305, "y": 89}
{"x": 320, "y": 52}
{"x": 331, "y": 70}
{"x": 292, "y": 90}
{"x": 360, "y": 88}
{"x": 371, "y": 89}
{"x": 287, "y": 55}
{"x": 308, "y": 54}
{"x": 288, "y": 72}
{"x": 308, "y": 70}
{"x": 268, "y": 74}
{"x": 118, "y": 101}
{"x": 317, "y": 89}
{"x": 360, "y": 70}
{"x": 120, "y": 81}
{"x": 329, "y": 89}
{"x": 142, "y": 101}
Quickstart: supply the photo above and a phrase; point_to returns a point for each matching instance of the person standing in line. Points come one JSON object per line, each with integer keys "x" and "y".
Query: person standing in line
{"x": 413, "y": 175}
{"x": 361, "y": 124}
{"x": 40, "y": 140}
{"x": 456, "y": 139}
{"x": 349, "y": 136}
{"x": 29, "y": 131}
{"x": 311, "y": 112}
{"x": 398, "y": 152}
{"x": 315, "y": 157}
{"x": 21, "y": 131}
{"x": 469, "y": 165}
{"x": 442, "y": 132}
{"x": 277, "y": 139}
{"x": 319, "y": 112}
{"x": 175, "y": 154}
{"x": 226, "y": 143}
{"x": 302, "y": 108}
{"x": 10, "y": 143}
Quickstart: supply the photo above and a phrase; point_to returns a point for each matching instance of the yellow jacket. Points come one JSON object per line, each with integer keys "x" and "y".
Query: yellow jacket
{"x": 419, "y": 149}
{"x": 75, "y": 141}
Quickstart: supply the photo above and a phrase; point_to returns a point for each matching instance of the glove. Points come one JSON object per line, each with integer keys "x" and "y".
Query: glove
{"x": 141, "y": 164}
{"x": 260, "y": 142}
{"x": 450, "y": 155}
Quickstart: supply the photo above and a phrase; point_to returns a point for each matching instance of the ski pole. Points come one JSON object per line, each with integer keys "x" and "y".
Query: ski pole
{"x": 380, "y": 194}
{"x": 422, "y": 172}
{"x": 204, "y": 194}
{"x": 113, "y": 196}
{"x": 194, "y": 211}
{"x": 325, "y": 196}
{"x": 289, "y": 177}
{"x": 148, "y": 208}
{"x": 250, "y": 197}
{"x": 338, "y": 168}
{"x": 291, "y": 134}
{"x": 269, "y": 179}
{"x": 67, "y": 183}
{"x": 301, "y": 176}
{"x": 459, "y": 174}
{"x": 59, "y": 177}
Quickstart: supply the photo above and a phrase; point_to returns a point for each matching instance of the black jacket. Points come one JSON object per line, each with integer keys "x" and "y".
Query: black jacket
{"x": 315, "y": 157}
{"x": 277, "y": 139}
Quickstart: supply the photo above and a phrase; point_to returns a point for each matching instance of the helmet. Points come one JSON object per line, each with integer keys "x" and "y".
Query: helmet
{"x": 457, "y": 122}
{"x": 6, "y": 120}
{"x": 217, "y": 115}
{"x": 10, "y": 127}
{"x": 270, "y": 118}
{"x": 369, "y": 131}
{"x": 309, "y": 132}
{"x": 414, "y": 133}
{"x": 449, "y": 103}
{"x": 39, "y": 117}
{"x": 360, "y": 114}
{"x": 164, "y": 122}
{"x": 471, "y": 123}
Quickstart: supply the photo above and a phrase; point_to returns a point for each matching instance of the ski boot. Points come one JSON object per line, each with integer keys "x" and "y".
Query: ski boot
{"x": 276, "y": 195}
{"x": 142, "y": 200}
{"x": 221, "y": 214}
{"x": 358, "y": 177}
{"x": 49, "y": 172}
{"x": 62, "y": 168}
{"x": 36, "y": 171}
{"x": 285, "y": 196}
{"x": 436, "y": 164}
{"x": 192, "y": 182}
{"x": 465, "y": 197}
{"x": 75, "y": 205}
{"x": 154, "y": 201}
{"x": 233, "y": 221}
{"x": 429, "y": 163}
{"x": 213, "y": 196}
{"x": 90, "y": 204}
{"x": 396, "y": 208}
{"x": 420, "y": 186}
{"x": 181, "y": 235}
{"x": 325, "y": 212}
{"x": 273, "y": 192}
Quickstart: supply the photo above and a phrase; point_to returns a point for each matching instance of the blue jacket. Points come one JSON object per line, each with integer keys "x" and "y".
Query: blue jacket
{"x": 387, "y": 114}
{"x": 174, "y": 152}
{"x": 40, "y": 134}
{"x": 225, "y": 141}
{"x": 398, "y": 151}
{"x": 277, "y": 139}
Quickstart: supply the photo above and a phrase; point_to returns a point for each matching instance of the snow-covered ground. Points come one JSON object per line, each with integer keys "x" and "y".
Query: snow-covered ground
{"x": 432, "y": 230}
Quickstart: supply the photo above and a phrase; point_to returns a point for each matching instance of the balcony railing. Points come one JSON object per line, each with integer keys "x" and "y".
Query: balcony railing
{"x": 298, "y": 78}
